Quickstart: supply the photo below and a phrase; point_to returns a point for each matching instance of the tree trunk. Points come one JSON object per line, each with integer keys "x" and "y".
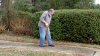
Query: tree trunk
{"x": 33, "y": 4}
{"x": 6, "y": 8}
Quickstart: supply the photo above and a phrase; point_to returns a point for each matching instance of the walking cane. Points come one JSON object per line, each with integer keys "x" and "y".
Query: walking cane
{"x": 47, "y": 36}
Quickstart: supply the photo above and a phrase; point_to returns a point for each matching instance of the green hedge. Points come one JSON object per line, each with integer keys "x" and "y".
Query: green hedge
{"x": 73, "y": 25}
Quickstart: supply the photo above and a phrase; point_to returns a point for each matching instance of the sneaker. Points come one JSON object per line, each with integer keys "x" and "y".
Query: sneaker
{"x": 51, "y": 45}
{"x": 42, "y": 45}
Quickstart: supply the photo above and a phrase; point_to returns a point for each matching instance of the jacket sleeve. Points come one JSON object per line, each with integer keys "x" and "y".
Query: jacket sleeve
{"x": 43, "y": 16}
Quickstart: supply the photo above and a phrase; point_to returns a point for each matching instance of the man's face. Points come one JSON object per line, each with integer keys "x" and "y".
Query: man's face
{"x": 51, "y": 13}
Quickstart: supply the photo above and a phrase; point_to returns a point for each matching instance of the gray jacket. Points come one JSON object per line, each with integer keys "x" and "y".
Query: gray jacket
{"x": 45, "y": 16}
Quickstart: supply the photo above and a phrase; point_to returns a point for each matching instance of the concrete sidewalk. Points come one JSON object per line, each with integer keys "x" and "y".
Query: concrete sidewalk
{"x": 76, "y": 51}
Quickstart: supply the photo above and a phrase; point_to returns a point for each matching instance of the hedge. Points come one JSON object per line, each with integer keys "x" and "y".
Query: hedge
{"x": 73, "y": 25}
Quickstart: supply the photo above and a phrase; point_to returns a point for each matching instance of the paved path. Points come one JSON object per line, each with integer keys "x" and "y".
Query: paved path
{"x": 74, "y": 50}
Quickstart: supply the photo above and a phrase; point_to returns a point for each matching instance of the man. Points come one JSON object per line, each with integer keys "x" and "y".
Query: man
{"x": 44, "y": 29}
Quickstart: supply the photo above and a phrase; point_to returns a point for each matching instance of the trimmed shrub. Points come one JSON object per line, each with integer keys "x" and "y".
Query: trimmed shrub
{"x": 35, "y": 24}
{"x": 21, "y": 25}
{"x": 2, "y": 27}
{"x": 73, "y": 25}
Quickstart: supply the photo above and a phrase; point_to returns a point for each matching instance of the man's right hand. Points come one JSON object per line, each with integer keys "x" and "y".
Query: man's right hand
{"x": 46, "y": 24}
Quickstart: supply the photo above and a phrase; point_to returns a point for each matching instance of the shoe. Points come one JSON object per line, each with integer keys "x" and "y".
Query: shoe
{"x": 42, "y": 45}
{"x": 51, "y": 45}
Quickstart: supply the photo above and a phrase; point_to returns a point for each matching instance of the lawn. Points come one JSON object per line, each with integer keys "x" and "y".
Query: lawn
{"x": 17, "y": 52}
{"x": 17, "y": 38}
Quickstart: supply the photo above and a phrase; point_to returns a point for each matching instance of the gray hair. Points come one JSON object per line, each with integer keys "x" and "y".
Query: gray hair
{"x": 51, "y": 10}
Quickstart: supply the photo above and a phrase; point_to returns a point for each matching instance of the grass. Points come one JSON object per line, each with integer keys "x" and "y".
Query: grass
{"x": 17, "y": 38}
{"x": 30, "y": 39}
{"x": 17, "y": 52}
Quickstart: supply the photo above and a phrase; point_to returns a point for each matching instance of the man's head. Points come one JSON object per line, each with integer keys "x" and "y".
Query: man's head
{"x": 51, "y": 11}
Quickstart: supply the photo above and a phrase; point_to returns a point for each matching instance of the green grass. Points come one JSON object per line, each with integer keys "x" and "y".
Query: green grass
{"x": 17, "y": 52}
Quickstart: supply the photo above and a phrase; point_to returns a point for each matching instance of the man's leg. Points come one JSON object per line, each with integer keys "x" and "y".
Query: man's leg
{"x": 49, "y": 38}
{"x": 42, "y": 36}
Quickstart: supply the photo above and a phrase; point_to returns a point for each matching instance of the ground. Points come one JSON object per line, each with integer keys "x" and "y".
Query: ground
{"x": 24, "y": 52}
{"x": 28, "y": 46}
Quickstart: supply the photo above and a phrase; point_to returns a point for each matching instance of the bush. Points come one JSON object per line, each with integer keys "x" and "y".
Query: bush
{"x": 74, "y": 25}
{"x": 35, "y": 23}
{"x": 21, "y": 25}
{"x": 22, "y": 5}
{"x": 2, "y": 26}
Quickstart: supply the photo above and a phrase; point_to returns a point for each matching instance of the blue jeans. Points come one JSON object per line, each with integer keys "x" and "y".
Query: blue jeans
{"x": 42, "y": 32}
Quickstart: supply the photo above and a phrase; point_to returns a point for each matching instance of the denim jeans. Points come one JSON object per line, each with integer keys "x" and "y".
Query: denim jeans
{"x": 42, "y": 32}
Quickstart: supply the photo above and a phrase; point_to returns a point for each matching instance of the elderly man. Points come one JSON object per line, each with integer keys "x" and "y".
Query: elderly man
{"x": 44, "y": 29}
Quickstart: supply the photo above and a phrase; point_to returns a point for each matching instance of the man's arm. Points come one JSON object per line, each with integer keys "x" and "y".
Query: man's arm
{"x": 45, "y": 23}
{"x": 42, "y": 19}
